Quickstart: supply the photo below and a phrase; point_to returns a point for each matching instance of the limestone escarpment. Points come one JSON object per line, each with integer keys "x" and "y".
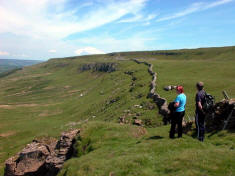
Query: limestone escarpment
{"x": 100, "y": 67}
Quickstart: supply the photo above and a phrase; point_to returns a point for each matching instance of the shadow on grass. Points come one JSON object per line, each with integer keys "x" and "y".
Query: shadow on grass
{"x": 231, "y": 130}
{"x": 213, "y": 133}
{"x": 194, "y": 133}
{"x": 155, "y": 138}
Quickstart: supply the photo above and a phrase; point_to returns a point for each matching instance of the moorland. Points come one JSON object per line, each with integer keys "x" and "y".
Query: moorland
{"x": 63, "y": 93}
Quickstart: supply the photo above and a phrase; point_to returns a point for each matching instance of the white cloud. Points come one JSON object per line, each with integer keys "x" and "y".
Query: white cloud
{"x": 31, "y": 17}
{"x": 199, "y": 6}
{"x": 4, "y": 53}
{"x": 138, "y": 18}
{"x": 41, "y": 25}
{"x": 151, "y": 16}
{"x": 217, "y": 3}
{"x": 52, "y": 51}
{"x": 111, "y": 44}
{"x": 88, "y": 50}
{"x": 132, "y": 19}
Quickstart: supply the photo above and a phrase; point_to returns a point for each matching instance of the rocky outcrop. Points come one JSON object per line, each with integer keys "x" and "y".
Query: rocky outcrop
{"x": 160, "y": 102}
{"x": 137, "y": 122}
{"x": 42, "y": 157}
{"x": 30, "y": 161}
{"x": 170, "y": 87}
{"x": 100, "y": 67}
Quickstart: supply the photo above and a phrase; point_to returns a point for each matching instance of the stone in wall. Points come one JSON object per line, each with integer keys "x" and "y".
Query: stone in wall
{"x": 160, "y": 102}
{"x": 222, "y": 117}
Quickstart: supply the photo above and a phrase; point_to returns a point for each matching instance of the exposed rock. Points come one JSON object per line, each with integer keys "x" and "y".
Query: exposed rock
{"x": 138, "y": 106}
{"x": 101, "y": 67}
{"x": 111, "y": 174}
{"x": 122, "y": 120}
{"x": 137, "y": 122}
{"x": 129, "y": 72}
{"x": 113, "y": 100}
{"x": 42, "y": 158}
{"x": 30, "y": 161}
{"x": 127, "y": 111}
{"x": 187, "y": 126}
{"x": 167, "y": 88}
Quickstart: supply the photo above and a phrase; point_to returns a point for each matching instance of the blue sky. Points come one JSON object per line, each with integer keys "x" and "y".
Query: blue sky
{"x": 33, "y": 29}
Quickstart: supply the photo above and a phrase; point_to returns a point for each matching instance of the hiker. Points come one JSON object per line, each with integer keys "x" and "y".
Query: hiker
{"x": 178, "y": 114}
{"x": 200, "y": 114}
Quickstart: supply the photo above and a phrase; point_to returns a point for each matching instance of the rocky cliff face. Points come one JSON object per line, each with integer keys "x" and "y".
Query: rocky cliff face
{"x": 101, "y": 67}
{"x": 42, "y": 158}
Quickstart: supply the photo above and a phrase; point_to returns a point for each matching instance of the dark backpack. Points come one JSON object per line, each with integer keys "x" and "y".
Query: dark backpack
{"x": 208, "y": 103}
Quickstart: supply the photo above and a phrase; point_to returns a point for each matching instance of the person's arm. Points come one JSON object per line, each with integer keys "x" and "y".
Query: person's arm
{"x": 177, "y": 102}
{"x": 199, "y": 104}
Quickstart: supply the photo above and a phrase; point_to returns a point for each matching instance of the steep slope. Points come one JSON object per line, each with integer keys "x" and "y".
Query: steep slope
{"x": 60, "y": 94}
{"x": 51, "y": 97}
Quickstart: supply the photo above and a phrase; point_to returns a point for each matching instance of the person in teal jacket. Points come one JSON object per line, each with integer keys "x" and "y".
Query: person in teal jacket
{"x": 178, "y": 114}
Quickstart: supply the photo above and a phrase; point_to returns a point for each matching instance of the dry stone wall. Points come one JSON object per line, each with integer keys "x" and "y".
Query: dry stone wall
{"x": 222, "y": 117}
{"x": 160, "y": 102}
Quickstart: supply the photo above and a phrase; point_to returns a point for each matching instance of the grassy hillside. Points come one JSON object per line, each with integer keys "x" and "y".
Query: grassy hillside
{"x": 50, "y": 97}
{"x": 128, "y": 150}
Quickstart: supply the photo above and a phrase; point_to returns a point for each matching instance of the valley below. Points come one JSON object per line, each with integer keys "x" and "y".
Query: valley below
{"x": 115, "y": 102}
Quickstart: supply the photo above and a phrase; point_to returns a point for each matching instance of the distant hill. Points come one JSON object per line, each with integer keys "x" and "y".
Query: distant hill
{"x": 9, "y": 64}
{"x": 104, "y": 95}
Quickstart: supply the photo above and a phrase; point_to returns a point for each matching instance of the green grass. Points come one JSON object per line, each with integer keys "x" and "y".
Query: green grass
{"x": 217, "y": 75}
{"x": 129, "y": 150}
{"x": 45, "y": 99}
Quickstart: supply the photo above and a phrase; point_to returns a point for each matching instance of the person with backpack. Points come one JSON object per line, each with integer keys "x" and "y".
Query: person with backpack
{"x": 178, "y": 114}
{"x": 204, "y": 105}
{"x": 200, "y": 113}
